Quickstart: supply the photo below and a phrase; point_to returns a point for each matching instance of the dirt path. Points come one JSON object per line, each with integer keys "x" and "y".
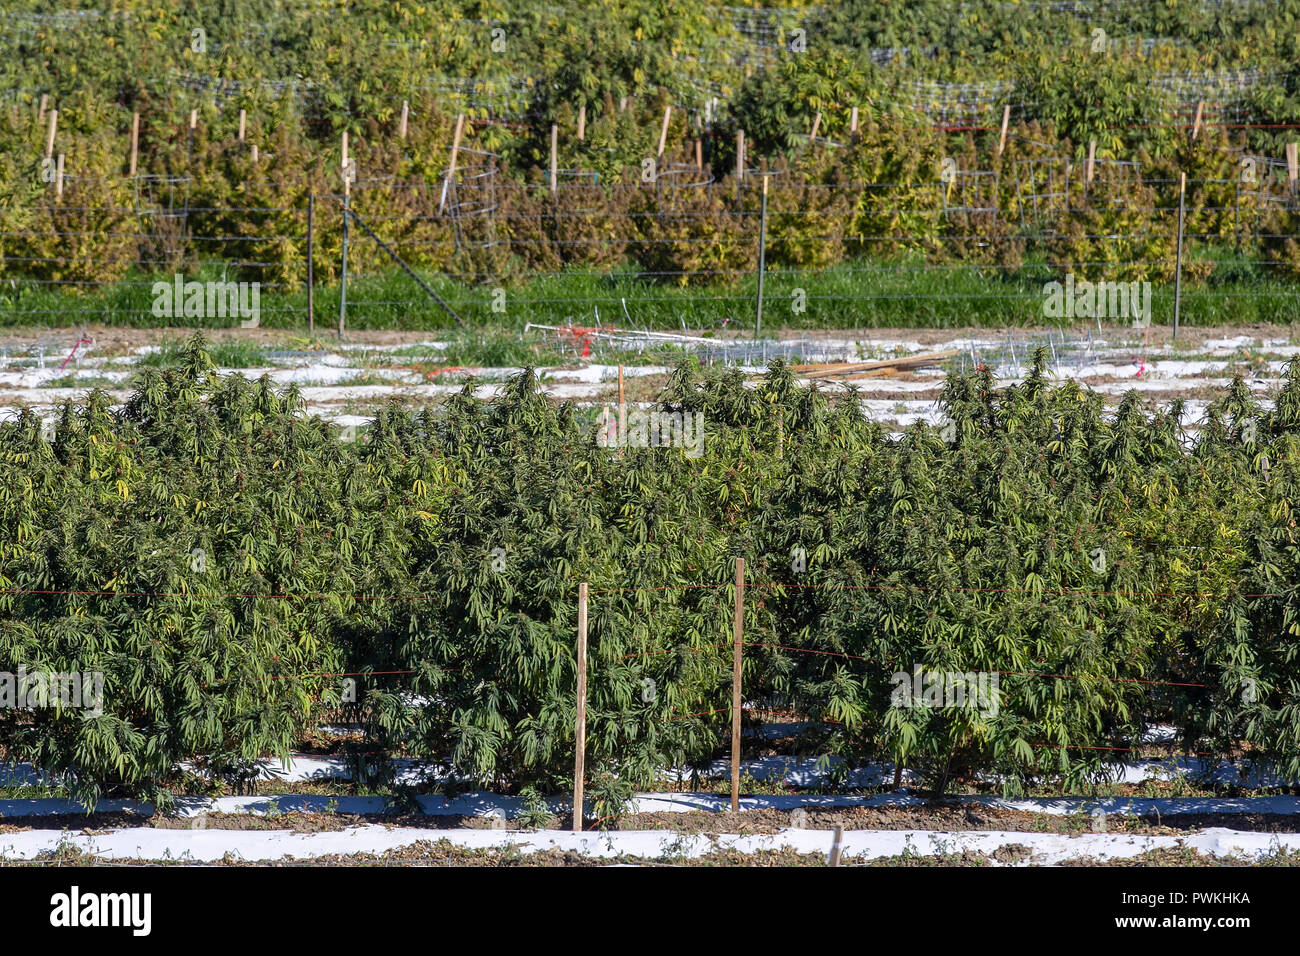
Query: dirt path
{"x": 938, "y": 817}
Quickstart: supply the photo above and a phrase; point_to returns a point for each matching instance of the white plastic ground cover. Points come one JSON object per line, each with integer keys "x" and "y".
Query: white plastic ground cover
{"x": 204, "y": 845}
{"x": 808, "y": 772}
{"x": 492, "y": 805}
{"x": 801, "y": 772}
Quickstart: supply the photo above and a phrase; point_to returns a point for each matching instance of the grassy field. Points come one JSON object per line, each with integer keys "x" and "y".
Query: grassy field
{"x": 858, "y": 295}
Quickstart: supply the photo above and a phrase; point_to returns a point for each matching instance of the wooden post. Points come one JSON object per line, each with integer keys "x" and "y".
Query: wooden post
{"x": 194, "y": 122}
{"x": 1006, "y": 121}
{"x": 45, "y": 101}
{"x": 582, "y": 122}
{"x": 401, "y": 126}
{"x": 555, "y": 149}
{"x": 738, "y": 629}
{"x": 663, "y": 131}
{"x": 853, "y": 123}
{"x": 455, "y": 146}
{"x": 817, "y": 122}
{"x": 58, "y": 179}
{"x": 347, "y": 181}
{"x": 343, "y": 272}
{"x": 243, "y": 120}
{"x": 1196, "y": 123}
{"x": 1092, "y": 155}
{"x": 135, "y": 141}
{"x": 699, "y": 155}
{"x": 311, "y": 285}
{"x": 1291, "y": 165}
{"x": 836, "y": 839}
{"x": 49, "y": 137}
{"x": 622, "y": 414}
{"x": 254, "y": 153}
{"x": 451, "y": 166}
{"x": 580, "y": 730}
{"x": 740, "y": 164}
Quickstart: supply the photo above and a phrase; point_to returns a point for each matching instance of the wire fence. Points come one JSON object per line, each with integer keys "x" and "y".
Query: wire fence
{"x": 681, "y": 252}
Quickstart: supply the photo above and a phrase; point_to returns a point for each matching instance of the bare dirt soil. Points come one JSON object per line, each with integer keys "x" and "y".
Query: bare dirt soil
{"x": 938, "y": 817}
{"x": 443, "y": 853}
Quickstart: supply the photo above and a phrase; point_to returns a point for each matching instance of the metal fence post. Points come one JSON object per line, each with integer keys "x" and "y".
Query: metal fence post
{"x": 343, "y": 274}
{"x": 311, "y": 284}
{"x": 1178, "y": 261}
{"x": 762, "y": 262}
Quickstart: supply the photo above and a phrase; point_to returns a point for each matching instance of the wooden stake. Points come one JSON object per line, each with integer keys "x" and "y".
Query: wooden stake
{"x": 1291, "y": 165}
{"x": 836, "y": 840}
{"x": 401, "y": 126}
{"x": 135, "y": 141}
{"x": 699, "y": 155}
{"x": 580, "y": 730}
{"x": 853, "y": 122}
{"x": 455, "y": 146}
{"x": 740, "y": 155}
{"x": 1196, "y": 123}
{"x": 243, "y": 121}
{"x": 347, "y": 180}
{"x": 49, "y": 137}
{"x": 451, "y": 166}
{"x": 663, "y": 132}
{"x": 1006, "y": 121}
{"x": 622, "y": 414}
{"x": 738, "y": 629}
{"x": 45, "y": 100}
{"x": 254, "y": 153}
{"x": 817, "y": 122}
{"x": 58, "y": 179}
{"x": 194, "y": 119}
{"x": 1092, "y": 154}
{"x": 555, "y": 162}
{"x": 582, "y": 122}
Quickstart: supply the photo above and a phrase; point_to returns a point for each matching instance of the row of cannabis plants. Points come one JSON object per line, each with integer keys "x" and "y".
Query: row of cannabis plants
{"x": 906, "y": 180}
{"x": 237, "y": 571}
{"x": 894, "y": 193}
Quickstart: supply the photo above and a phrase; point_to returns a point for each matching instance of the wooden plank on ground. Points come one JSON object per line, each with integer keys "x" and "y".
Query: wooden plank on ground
{"x": 902, "y": 363}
